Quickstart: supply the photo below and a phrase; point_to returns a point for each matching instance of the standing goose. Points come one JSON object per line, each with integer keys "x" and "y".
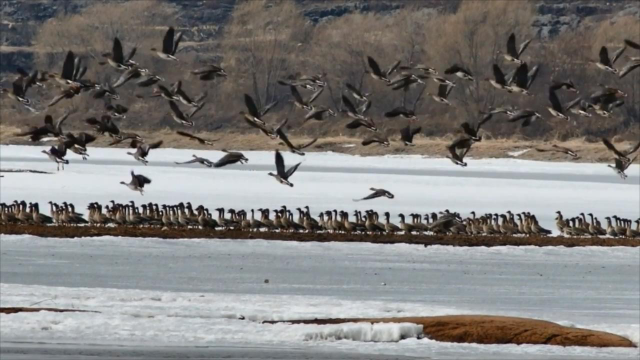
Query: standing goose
{"x": 282, "y": 175}
{"x": 560, "y": 149}
{"x": 376, "y": 194}
{"x": 621, "y": 166}
{"x": 513, "y": 54}
{"x": 196, "y": 138}
{"x": 209, "y": 72}
{"x": 57, "y": 154}
{"x": 230, "y": 157}
{"x": 605, "y": 63}
{"x": 402, "y": 112}
{"x": 377, "y": 74}
{"x": 137, "y": 182}
{"x": 556, "y": 109}
{"x": 458, "y": 150}
{"x": 199, "y": 160}
{"x": 293, "y": 148}
{"x": 169, "y": 45}
{"x": 443, "y": 93}
{"x": 142, "y": 150}
{"x": 473, "y": 132}
{"x": 460, "y": 72}
{"x": 407, "y": 134}
{"x": 528, "y": 116}
{"x": 357, "y": 93}
{"x": 523, "y": 78}
{"x": 622, "y": 155}
{"x": 377, "y": 138}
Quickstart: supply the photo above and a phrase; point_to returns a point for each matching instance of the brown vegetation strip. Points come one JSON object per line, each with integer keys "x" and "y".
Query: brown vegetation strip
{"x": 173, "y": 233}
{"x": 14, "y": 310}
{"x": 486, "y": 329}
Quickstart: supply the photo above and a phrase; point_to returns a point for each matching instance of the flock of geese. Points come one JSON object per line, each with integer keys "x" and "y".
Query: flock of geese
{"x": 184, "y": 215}
{"x": 355, "y": 104}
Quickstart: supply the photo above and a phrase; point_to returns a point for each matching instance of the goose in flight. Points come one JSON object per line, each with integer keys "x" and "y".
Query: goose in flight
{"x": 106, "y": 89}
{"x": 366, "y": 123}
{"x": 293, "y": 148}
{"x": 443, "y": 92}
{"x": 352, "y": 111}
{"x": 319, "y": 113}
{"x": 578, "y": 106}
{"x": 115, "y": 110}
{"x": 199, "y": 160}
{"x": 116, "y": 57}
{"x": 621, "y": 166}
{"x": 177, "y": 90}
{"x": 407, "y": 134}
{"x": 560, "y": 149}
{"x": 209, "y": 72}
{"x": 104, "y": 126}
{"x": 523, "y": 78}
{"x": 357, "y": 93}
{"x": 402, "y": 112}
{"x": 460, "y": 72}
{"x": 39, "y": 133}
{"x": 169, "y": 45}
{"x": 426, "y": 70}
{"x": 142, "y": 150}
{"x": 196, "y": 138}
{"x": 556, "y": 109}
{"x": 566, "y": 85}
{"x": 499, "y": 81}
{"x": 300, "y": 102}
{"x": 134, "y": 72}
{"x": 528, "y": 116}
{"x": 19, "y": 92}
{"x": 254, "y": 114}
{"x": 473, "y": 132}
{"x": 605, "y": 62}
{"x": 513, "y": 54}
{"x": 282, "y": 175}
{"x": 376, "y": 194}
{"x": 458, "y": 149}
{"x": 622, "y": 155}
{"x": 178, "y": 116}
{"x": 230, "y": 157}
{"x": 57, "y": 154}
{"x": 137, "y": 182}
{"x": 629, "y": 67}
{"x": 162, "y": 91}
{"x": 377, "y": 138}
{"x": 78, "y": 144}
{"x": 377, "y": 73}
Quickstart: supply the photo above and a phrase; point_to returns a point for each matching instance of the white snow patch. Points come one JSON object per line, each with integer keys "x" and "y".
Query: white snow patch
{"x": 518, "y": 152}
{"x": 366, "y": 332}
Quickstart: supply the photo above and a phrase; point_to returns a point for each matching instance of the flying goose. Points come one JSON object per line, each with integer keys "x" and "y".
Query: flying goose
{"x": 124, "y": 136}
{"x": 513, "y": 54}
{"x": 196, "y": 138}
{"x": 605, "y": 63}
{"x": 566, "y": 85}
{"x": 293, "y": 148}
{"x": 366, "y": 123}
{"x": 620, "y": 166}
{"x": 556, "y": 109}
{"x": 177, "y": 90}
{"x": 377, "y": 138}
{"x": 209, "y": 72}
{"x": 629, "y": 67}
{"x": 402, "y": 112}
{"x": 528, "y": 116}
{"x": 105, "y": 90}
{"x": 377, "y": 74}
{"x": 316, "y": 79}
{"x": 523, "y": 78}
{"x": 78, "y": 144}
{"x": 319, "y": 113}
{"x": 137, "y": 182}
{"x": 230, "y": 157}
{"x": 499, "y": 81}
{"x": 198, "y": 160}
{"x": 460, "y": 72}
{"x": 561, "y": 149}
{"x": 407, "y": 134}
{"x": 376, "y": 194}
{"x": 351, "y": 110}
{"x": 35, "y": 78}
{"x": 292, "y": 81}
{"x": 254, "y": 114}
{"x": 19, "y": 91}
{"x": 427, "y": 70}
{"x": 473, "y": 132}
{"x": 300, "y": 102}
{"x": 116, "y": 57}
{"x": 622, "y": 155}
{"x": 162, "y": 91}
{"x": 443, "y": 93}
{"x": 405, "y": 81}
{"x": 604, "y": 101}
{"x": 115, "y": 110}
{"x": 357, "y": 93}
{"x": 180, "y": 117}
{"x": 104, "y": 125}
{"x": 148, "y": 80}
{"x": 57, "y": 154}
{"x": 578, "y": 106}
{"x": 281, "y": 175}
{"x": 169, "y": 45}
{"x": 458, "y": 149}
{"x": 142, "y": 150}
{"x": 39, "y": 133}
{"x": 135, "y": 72}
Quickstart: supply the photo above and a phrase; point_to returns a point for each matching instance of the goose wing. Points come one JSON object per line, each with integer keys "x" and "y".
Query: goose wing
{"x": 375, "y": 68}
{"x": 201, "y": 96}
{"x": 604, "y": 57}
{"x": 365, "y": 107}
{"x": 484, "y": 120}
{"x": 555, "y": 102}
{"x": 416, "y": 131}
{"x": 260, "y": 127}
{"x": 565, "y": 150}
{"x": 632, "y": 44}
{"x": 532, "y": 75}
{"x": 176, "y": 43}
{"x": 315, "y": 95}
{"x": 618, "y": 53}
{"x": 632, "y": 150}
{"x": 227, "y": 159}
{"x": 296, "y": 95}
{"x": 349, "y": 105}
{"x": 116, "y": 51}
{"x": 167, "y": 41}
{"x": 612, "y": 148}
{"x": 269, "y": 106}
{"x": 176, "y": 110}
{"x": 628, "y": 68}
{"x": 292, "y": 170}
{"x": 523, "y": 47}
{"x": 126, "y": 76}
{"x": 280, "y": 170}
{"x": 353, "y": 90}
{"x": 251, "y": 105}
{"x": 573, "y": 103}
{"x": 498, "y": 75}
{"x": 191, "y": 136}
{"x": 285, "y": 139}
{"x": 18, "y": 88}
{"x": 511, "y": 46}
{"x": 142, "y": 180}
{"x": 155, "y": 145}
{"x": 400, "y": 110}
{"x": 521, "y": 76}
{"x": 443, "y": 90}
{"x": 194, "y": 160}
{"x": 392, "y": 68}
{"x": 354, "y": 124}
{"x": 67, "y": 66}
{"x": 84, "y": 138}
{"x": 304, "y": 146}
{"x": 132, "y": 53}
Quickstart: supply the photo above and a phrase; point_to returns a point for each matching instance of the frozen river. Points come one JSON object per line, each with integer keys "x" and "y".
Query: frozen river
{"x": 189, "y": 295}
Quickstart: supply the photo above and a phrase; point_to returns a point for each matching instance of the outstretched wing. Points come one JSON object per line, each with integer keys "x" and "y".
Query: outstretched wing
{"x": 523, "y": 47}
{"x": 511, "y": 46}
{"x": 522, "y": 75}
{"x": 116, "y": 51}
{"x": 349, "y": 105}
{"x": 375, "y": 68}
{"x": 632, "y": 44}
{"x": 315, "y": 95}
{"x": 400, "y": 110}
{"x": 167, "y": 41}
{"x": 499, "y": 76}
{"x": 604, "y": 57}
{"x": 67, "y": 66}
{"x": 280, "y": 165}
{"x": 292, "y": 170}
{"x": 296, "y": 94}
{"x": 304, "y": 146}
{"x": 555, "y": 102}
{"x": 612, "y": 148}
{"x": 251, "y": 105}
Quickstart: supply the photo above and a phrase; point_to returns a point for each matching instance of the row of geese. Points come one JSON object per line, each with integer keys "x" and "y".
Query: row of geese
{"x": 184, "y": 215}
{"x": 355, "y": 103}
